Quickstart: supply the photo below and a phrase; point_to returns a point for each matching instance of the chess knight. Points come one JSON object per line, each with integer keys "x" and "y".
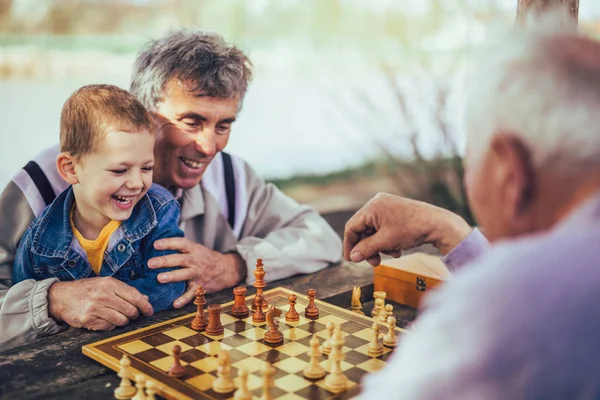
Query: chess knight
{"x": 272, "y": 335}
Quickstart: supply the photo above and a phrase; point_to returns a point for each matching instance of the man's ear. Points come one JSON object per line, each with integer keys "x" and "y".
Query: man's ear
{"x": 65, "y": 164}
{"x": 516, "y": 162}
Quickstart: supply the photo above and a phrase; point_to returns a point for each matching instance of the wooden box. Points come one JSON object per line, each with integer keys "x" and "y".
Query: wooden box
{"x": 406, "y": 279}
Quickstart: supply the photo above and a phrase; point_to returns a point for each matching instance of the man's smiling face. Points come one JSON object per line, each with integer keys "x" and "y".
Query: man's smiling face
{"x": 191, "y": 130}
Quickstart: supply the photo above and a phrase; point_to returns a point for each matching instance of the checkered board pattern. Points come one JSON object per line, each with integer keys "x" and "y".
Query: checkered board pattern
{"x": 150, "y": 352}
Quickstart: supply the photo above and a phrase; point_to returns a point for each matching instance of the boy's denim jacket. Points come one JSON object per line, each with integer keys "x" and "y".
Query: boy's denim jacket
{"x": 49, "y": 249}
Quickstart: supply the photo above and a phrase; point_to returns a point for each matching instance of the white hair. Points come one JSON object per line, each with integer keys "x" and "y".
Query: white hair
{"x": 541, "y": 84}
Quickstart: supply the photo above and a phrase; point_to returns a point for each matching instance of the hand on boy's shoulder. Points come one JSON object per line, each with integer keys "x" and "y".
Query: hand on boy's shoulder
{"x": 103, "y": 303}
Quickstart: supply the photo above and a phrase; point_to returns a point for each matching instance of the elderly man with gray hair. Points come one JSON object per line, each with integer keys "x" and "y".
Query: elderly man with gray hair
{"x": 193, "y": 83}
{"x": 520, "y": 318}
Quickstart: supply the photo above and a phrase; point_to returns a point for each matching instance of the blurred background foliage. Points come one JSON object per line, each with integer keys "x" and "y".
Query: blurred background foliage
{"x": 384, "y": 79}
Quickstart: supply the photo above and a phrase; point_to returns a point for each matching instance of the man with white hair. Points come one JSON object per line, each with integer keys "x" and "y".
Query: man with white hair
{"x": 520, "y": 318}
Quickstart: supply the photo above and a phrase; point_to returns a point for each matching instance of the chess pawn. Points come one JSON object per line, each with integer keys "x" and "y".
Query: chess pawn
{"x": 139, "y": 384}
{"x": 326, "y": 346}
{"x": 224, "y": 382}
{"x": 125, "y": 389}
{"x": 292, "y": 315}
{"x": 150, "y": 390}
{"x": 258, "y": 315}
{"x": 314, "y": 370}
{"x": 388, "y": 311}
{"x": 375, "y": 348}
{"x": 390, "y": 339}
{"x": 199, "y": 322}
{"x": 378, "y": 295}
{"x": 311, "y": 311}
{"x": 267, "y": 382}
{"x": 378, "y": 308}
{"x": 176, "y": 369}
{"x": 240, "y": 309}
{"x": 242, "y": 393}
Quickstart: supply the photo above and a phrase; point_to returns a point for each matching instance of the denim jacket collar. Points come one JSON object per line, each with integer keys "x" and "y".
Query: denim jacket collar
{"x": 55, "y": 225}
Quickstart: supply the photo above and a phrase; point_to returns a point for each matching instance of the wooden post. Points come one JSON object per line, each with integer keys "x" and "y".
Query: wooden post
{"x": 525, "y": 6}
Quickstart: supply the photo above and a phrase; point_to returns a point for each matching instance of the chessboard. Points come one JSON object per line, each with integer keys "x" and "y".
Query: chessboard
{"x": 150, "y": 352}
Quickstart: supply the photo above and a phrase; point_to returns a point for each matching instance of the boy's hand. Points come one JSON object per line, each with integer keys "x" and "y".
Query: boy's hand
{"x": 98, "y": 304}
{"x": 200, "y": 266}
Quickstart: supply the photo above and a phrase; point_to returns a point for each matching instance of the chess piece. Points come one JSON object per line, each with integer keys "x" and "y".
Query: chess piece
{"x": 272, "y": 335}
{"x": 224, "y": 382}
{"x": 390, "y": 339}
{"x": 125, "y": 389}
{"x": 314, "y": 370}
{"x": 150, "y": 390}
{"x": 139, "y": 384}
{"x": 389, "y": 312}
{"x": 199, "y": 321}
{"x": 259, "y": 281}
{"x": 292, "y": 315}
{"x": 311, "y": 311}
{"x": 336, "y": 380}
{"x": 214, "y": 327}
{"x": 242, "y": 393}
{"x": 375, "y": 348}
{"x": 268, "y": 382}
{"x": 258, "y": 315}
{"x": 356, "y": 306}
{"x": 378, "y": 295}
{"x": 326, "y": 346}
{"x": 378, "y": 309}
{"x": 176, "y": 370}
{"x": 240, "y": 309}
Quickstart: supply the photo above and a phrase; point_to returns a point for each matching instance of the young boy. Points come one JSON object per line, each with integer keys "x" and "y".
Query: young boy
{"x": 106, "y": 222}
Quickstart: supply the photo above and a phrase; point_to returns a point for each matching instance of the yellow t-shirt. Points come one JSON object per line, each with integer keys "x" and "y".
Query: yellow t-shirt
{"x": 95, "y": 248}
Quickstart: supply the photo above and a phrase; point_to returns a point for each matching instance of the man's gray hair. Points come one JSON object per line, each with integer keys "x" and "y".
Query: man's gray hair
{"x": 542, "y": 85}
{"x": 204, "y": 62}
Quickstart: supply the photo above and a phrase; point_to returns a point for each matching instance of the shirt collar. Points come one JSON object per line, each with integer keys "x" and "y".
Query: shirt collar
{"x": 192, "y": 202}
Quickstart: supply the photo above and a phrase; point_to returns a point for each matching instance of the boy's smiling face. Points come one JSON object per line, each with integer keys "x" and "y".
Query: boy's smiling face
{"x": 112, "y": 179}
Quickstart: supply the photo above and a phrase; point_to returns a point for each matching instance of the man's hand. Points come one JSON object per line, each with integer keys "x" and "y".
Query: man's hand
{"x": 200, "y": 266}
{"x": 98, "y": 304}
{"x": 388, "y": 224}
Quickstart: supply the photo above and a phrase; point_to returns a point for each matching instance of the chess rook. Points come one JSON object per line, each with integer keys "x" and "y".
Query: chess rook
{"x": 292, "y": 315}
{"x": 199, "y": 322}
{"x": 177, "y": 369}
{"x": 240, "y": 309}
{"x": 259, "y": 281}
{"x": 214, "y": 327}
{"x": 311, "y": 311}
{"x": 258, "y": 315}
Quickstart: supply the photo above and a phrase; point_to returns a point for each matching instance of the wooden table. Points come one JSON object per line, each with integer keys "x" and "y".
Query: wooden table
{"x": 55, "y": 368}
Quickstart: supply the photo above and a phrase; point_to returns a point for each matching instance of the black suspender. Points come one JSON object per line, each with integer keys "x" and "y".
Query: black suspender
{"x": 41, "y": 181}
{"x": 229, "y": 188}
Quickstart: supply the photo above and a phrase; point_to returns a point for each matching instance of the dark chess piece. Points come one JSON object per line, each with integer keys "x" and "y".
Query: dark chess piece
{"x": 311, "y": 311}
{"x": 292, "y": 315}
{"x": 259, "y": 314}
{"x": 240, "y": 309}
{"x": 176, "y": 369}
{"x": 214, "y": 327}
{"x": 199, "y": 322}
